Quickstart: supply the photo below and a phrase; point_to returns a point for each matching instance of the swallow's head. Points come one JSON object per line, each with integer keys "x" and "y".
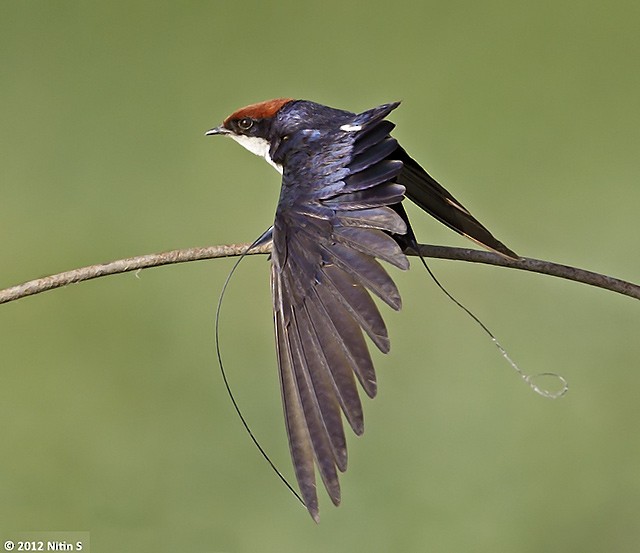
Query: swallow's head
{"x": 261, "y": 127}
{"x": 253, "y": 127}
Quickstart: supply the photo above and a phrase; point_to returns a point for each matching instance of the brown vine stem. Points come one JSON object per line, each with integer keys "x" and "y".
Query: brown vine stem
{"x": 51, "y": 282}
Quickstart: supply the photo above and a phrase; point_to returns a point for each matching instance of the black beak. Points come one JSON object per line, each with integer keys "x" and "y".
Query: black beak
{"x": 217, "y": 130}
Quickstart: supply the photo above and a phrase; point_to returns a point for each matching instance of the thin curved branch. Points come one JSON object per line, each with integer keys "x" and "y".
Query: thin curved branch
{"x": 231, "y": 250}
{"x": 535, "y": 266}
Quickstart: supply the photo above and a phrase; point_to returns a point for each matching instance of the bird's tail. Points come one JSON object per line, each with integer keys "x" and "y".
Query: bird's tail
{"x": 427, "y": 193}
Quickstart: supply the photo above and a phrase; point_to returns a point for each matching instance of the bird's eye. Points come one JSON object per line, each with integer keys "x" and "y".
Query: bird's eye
{"x": 245, "y": 124}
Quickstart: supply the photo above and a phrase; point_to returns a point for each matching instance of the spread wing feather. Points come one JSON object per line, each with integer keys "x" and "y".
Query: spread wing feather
{"x": 331, "y": 225}
{"x": 373, "y": 243}
{"x": 373, "y": 155}
{"x": 383, "y": 218}
{"x": 384, "y": 194}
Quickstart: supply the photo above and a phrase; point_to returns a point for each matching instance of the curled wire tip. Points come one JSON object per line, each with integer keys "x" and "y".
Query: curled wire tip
{"x": 537, "y": 381}
{"x": 561, "y": 385}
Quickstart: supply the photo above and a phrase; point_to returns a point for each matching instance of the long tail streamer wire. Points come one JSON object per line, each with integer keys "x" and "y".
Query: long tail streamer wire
{"x": 528, "y": 378}
{"x": 224, "y": 374}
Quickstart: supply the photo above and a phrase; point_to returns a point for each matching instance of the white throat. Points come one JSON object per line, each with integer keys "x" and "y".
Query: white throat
{"x": 258, "y": 146}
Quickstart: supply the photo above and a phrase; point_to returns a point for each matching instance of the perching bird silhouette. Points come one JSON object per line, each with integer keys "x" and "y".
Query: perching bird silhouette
{"x": 344, "y": 178}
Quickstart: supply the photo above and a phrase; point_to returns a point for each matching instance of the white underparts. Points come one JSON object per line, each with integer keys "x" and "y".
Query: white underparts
{"x": 257, "y": 146}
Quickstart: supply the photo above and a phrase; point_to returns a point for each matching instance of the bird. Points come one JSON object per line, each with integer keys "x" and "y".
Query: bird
{"x": 340, "y": 212}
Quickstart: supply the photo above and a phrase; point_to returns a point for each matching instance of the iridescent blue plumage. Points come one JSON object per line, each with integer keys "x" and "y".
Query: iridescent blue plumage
{"x": 344, "y": 179}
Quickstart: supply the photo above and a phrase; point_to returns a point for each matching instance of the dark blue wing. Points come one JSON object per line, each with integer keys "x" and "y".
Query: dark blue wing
{"x": 331, "y": 224}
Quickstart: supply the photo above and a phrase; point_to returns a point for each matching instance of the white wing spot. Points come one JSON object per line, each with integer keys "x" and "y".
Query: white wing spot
{"x": 351, "y": 128}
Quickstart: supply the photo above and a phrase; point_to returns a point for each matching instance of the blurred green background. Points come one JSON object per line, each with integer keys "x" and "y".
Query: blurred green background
{"x": 113, "y": 417}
